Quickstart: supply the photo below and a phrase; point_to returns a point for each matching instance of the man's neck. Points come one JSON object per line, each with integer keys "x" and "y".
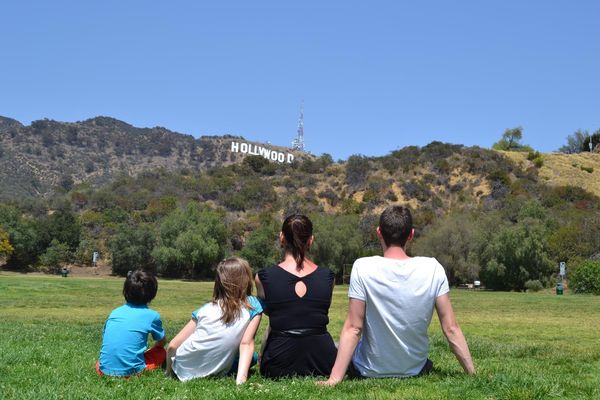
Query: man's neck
{"x": 395, "y": 252}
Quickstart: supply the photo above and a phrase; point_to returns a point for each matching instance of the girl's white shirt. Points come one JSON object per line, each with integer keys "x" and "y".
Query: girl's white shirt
{"x": 213, "y": 347}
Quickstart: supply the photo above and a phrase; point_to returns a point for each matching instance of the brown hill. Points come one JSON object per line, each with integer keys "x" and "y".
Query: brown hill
{"x": 46, "y": 156}
{"x": 560, "y": 169}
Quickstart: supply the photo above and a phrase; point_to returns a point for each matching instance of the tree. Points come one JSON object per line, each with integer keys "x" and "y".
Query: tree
{"x": 510, "y": 255}
{"x": 192, "y": 241}
{"x": 131, "y": 248}
{"x": 22, "y": 236}
{"x": 61, "y": 225}
{"x": 510, "y": 141}
{"x": 262, "y": 248}
{"x": 451, "y": 241}
{"x": 575, "y": 142}
{"x": 56, "y": 254}
{"x": 6, "y": 249}
{"x": 586, "y": 278}
{"x": 338, "y": 240}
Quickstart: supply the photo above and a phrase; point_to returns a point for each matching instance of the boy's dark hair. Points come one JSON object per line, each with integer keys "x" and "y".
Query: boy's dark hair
{"x": 395, "y": 225}
{"x": 140, "y": 287}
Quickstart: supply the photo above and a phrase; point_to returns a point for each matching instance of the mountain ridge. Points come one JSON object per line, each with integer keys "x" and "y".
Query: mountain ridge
{"x": 48, "y": 156}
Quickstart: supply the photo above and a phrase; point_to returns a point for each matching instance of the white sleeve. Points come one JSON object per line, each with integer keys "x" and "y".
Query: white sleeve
{"x": 357, "y": 288}
{"x": 440, "y": 280}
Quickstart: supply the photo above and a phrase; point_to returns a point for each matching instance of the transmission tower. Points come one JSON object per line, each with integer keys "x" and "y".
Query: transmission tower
{"x": 298, "y": 142}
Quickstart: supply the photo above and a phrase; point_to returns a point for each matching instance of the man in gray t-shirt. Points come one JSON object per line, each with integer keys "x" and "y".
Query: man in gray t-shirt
{"x": 392, "y": 299}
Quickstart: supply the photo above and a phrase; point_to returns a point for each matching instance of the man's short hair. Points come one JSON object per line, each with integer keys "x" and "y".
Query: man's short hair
{"x": 395, "y": 225}
{"x": 140, "y": 287}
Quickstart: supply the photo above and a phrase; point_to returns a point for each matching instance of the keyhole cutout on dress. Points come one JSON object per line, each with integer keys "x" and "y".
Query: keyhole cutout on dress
{"x": 300, "y": 289}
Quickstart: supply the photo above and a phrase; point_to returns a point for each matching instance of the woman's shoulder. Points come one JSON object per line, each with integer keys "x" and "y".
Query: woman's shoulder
{"x": 324, "y": 271}
{"x": 268, "y": 271}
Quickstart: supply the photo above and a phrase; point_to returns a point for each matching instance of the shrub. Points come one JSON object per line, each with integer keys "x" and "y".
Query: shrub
{"x": 131, "y": 247}
{"x": 532, "y": 155}
{"x": 56, "y": 254}
{"x": 586, "y": 278}
{"x": 533, "y": 285}
{"x": 357, "y": 170}
{"x": 587, "y": 169}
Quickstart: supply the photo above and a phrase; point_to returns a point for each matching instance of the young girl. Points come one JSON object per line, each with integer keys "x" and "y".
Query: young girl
{"x": 220, "y": 330}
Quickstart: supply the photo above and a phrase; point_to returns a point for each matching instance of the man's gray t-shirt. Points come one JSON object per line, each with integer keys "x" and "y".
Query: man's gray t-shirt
{"x": 399, "y": 298}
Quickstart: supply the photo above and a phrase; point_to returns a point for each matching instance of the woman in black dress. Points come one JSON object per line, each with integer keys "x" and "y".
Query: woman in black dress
{"x": 297, "y": 294}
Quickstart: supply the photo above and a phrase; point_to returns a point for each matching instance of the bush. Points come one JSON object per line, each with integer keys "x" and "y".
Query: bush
{"x": 357, "y": 170}
{"x": 532, "y": 155}
{"x": 533, "y": 285}
{"x": 131, "y": 247}
{"x": 536, "y": 158}
{"x": 55, "y": 255}
{"x": 586, "y": 278}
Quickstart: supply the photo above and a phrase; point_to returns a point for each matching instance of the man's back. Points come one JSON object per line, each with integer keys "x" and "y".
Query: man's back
{"x": 400, "y": 297}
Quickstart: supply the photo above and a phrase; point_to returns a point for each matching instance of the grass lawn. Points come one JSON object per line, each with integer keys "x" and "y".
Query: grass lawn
{"x": 525, "y": 346}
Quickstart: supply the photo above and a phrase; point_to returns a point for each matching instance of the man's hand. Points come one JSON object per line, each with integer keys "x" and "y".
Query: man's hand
{"x": 328, "y": 383}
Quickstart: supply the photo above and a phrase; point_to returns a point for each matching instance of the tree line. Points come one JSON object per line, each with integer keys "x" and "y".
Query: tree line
{"x": 180, "y": 224}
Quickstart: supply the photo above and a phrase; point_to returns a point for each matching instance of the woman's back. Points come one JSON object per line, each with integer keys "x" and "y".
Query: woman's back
{"x": 288, "y": 310}
{"x": 299, "y": 343}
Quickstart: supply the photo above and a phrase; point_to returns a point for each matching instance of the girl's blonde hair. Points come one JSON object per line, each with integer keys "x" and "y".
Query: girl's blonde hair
{"x": 233, "y": 285}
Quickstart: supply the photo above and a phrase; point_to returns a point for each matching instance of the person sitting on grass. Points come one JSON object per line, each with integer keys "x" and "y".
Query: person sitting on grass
{"x": 391, "y": 304}
{"x": 219, "y": 339}
{"x": 125, "y": 335}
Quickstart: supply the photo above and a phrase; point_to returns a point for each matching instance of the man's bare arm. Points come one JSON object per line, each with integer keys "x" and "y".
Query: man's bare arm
{"x": 456, "y": 339}
{"x": 349, "y": 338}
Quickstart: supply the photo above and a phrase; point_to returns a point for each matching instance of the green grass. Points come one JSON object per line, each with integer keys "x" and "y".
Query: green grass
{"x": 525, "y": 346}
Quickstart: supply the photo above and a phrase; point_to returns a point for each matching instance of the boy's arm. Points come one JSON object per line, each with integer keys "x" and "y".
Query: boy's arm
{"x": 247, "y": 350}
{"x": 349, "y": 338}
{"x": 456, "y": 339}
{"x": 185, "y": 333}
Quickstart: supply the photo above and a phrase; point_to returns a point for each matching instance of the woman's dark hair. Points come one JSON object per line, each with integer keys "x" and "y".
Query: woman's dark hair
{"x": 297, "y": 231}
{"x": 140, "y": 287}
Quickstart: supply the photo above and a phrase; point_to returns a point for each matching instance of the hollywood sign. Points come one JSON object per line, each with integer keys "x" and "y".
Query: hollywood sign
{"x": 255, "y": 150}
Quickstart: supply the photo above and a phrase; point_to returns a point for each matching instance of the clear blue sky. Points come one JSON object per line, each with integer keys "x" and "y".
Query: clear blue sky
{"x": 374, "y": 75}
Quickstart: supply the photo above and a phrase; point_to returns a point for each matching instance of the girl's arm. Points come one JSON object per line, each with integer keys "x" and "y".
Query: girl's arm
{"x": 247, "y": 350}
{"x": 185, "y": 333}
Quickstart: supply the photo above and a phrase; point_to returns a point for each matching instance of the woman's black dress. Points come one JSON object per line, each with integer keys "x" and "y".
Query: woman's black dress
{"x": 299, "y": 343}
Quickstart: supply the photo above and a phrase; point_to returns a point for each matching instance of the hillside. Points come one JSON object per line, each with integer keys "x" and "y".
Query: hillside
{"x": 152, "y": 198}
{"x": 560, "y": 169}
{"x": 49, "y": 156}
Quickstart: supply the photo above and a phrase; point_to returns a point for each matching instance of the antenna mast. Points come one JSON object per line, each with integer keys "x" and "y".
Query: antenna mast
{"x": 298, "y": 142}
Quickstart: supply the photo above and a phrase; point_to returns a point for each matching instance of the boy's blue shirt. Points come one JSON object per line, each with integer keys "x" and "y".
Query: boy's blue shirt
{"x": 125, "y": 338}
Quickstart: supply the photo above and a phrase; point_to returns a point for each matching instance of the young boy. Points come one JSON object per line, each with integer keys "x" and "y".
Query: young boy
{"x": 126, "y": 330}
